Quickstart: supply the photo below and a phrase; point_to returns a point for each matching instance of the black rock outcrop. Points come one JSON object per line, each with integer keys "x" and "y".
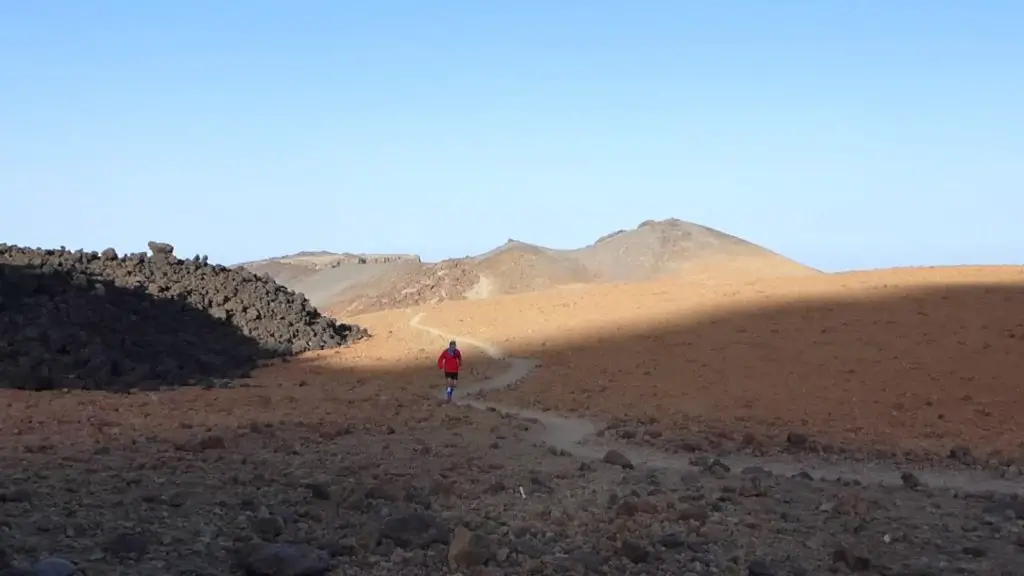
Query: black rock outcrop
{"x": 88, "y": 320}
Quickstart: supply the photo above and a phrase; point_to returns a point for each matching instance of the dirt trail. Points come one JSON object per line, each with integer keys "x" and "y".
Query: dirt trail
{"x": 578, "y": 437}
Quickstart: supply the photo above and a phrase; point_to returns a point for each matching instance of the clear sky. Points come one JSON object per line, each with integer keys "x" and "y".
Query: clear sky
{"x": 841, "y": 133}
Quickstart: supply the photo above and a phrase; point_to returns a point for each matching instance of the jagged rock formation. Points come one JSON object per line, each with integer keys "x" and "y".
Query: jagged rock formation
{"x": 88, "y": 320}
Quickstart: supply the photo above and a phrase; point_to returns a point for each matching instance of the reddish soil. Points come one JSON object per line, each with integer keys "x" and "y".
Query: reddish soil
{"x": 906, "y": 359}
{"x": 343, "y": 462}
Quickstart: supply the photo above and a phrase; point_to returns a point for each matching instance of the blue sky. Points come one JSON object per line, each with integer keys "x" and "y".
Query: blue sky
{"x": 841, "y": 133}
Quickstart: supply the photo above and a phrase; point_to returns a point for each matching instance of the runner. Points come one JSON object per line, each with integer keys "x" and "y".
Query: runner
{"x": 450, "y": 361}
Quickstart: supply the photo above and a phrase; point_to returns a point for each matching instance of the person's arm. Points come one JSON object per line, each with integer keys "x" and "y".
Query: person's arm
{"x": 458, "y": 355}
{"x": 440, "y": 361}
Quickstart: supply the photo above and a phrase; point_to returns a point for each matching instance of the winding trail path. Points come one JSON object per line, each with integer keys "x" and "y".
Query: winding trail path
{"x": 578, "y": 437}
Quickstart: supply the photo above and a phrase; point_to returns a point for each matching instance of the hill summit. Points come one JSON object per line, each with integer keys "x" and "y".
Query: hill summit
{"x": 360, "y": 283}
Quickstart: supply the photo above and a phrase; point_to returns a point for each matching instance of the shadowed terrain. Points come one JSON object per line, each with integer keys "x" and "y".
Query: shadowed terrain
{"x": 60, "y": 330}
{"x": 90, "y": 320}
{"x": 344, "y": 460}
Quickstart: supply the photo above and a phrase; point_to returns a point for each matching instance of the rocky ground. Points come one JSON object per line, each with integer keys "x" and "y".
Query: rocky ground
{"x": 402, "y": 485}
{"x": 343, "y": 462}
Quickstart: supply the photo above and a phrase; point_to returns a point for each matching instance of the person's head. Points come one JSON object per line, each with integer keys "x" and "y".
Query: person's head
{"x": 451, "y": 345}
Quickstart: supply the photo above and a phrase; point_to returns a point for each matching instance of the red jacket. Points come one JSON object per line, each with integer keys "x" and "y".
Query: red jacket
{"x": 450, "y": 362}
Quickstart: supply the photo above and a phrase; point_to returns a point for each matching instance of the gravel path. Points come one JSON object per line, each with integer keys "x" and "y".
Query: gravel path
{"x": 578, "y": 436}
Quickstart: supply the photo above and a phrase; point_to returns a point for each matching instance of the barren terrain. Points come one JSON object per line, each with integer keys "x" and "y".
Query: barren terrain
{"x": 898, "y": 360}
{"x": 861, "y": 422}
{"x": 358, "y": 284}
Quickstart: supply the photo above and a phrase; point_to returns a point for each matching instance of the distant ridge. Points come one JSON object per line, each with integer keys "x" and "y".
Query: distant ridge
{"x": 359, "y": 283}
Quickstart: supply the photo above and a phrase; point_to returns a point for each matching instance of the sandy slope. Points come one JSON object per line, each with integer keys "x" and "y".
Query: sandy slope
{"x": 909, "y": 358}
{"x": 349, "y": 285}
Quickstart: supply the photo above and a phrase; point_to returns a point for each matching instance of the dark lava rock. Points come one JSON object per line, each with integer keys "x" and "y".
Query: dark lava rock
{"x": 961, "y": 453}
{"x": 634, "y": 551}
{"x": 757, "y": 471}
{"x": 758, "y": 567}
{"x": 796, "y": 439}
{"x": 84, "y": 320}
{"x": 616, "y": 458}
{"x": 54, "y": 567}
{"x": 672, "y": 540}
{"x": 263, "y": 559}
{"x": 588, "y": 559}
{"x": 1004, "y": 506}
{"x": 718, "y": 469}
{"x": 468, "y": 549}
{"x": 268, "y": 527}
{"x": 23, "y": 495}
{"x": 415, "y": 530}
{"x": 127, "y": 545}
{"x": 854, "y": 558}
{"x": 911, "y": 481}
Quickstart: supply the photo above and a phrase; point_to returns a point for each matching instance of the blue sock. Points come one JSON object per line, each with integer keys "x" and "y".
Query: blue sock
{"x": 448, "y": 392}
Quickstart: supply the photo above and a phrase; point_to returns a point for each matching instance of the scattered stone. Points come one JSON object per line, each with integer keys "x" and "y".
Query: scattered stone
{"x": 468, "y": 549}
{"x": 127, "y": 545}
{"x": 796, "y": 439}
{"x": 758, "y": 567}
{"x": 634, "y": 551}
{"x": 975, "y": 551}
{"x": 752, "y": 486}
{"x": 387, "y": 491}
{"x": 22, "y": 495}
{"x": 415, "y": 530}
{"x": 672, "y": 540}
{"x": 961, "y": 453}
{"x": 848, "y": 503}
{"x": 757, "y": 471}
{"x": 718, "y": 469}
{"x": 627, "y": 508}
{"x": 539, "y": 486}
{"x": 263, "y": 559}
{"x": 319, "y": 490}
{"x": 855, "y": 559}
{"x": 54, "y": 567}
{"x": 911, "y": 481}
{"x": 616, "y": 458}
{"x": 693, "y": 512}
{"x": 204, "y": 443}
{"x": 1012, "y": 507}
{"x": 268, "y": 527}
{"x": 588, "y": 559}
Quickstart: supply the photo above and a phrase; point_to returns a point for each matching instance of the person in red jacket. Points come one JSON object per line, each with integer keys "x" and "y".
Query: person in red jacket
{"x": 450, "y": 361}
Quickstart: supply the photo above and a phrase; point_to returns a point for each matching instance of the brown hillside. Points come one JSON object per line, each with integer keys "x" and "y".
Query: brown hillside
{"x": 653, "y": 249}
{"x": 666, "y": 247}
{"x": 518, "y": 267}
{"x": 912, "y": 359}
